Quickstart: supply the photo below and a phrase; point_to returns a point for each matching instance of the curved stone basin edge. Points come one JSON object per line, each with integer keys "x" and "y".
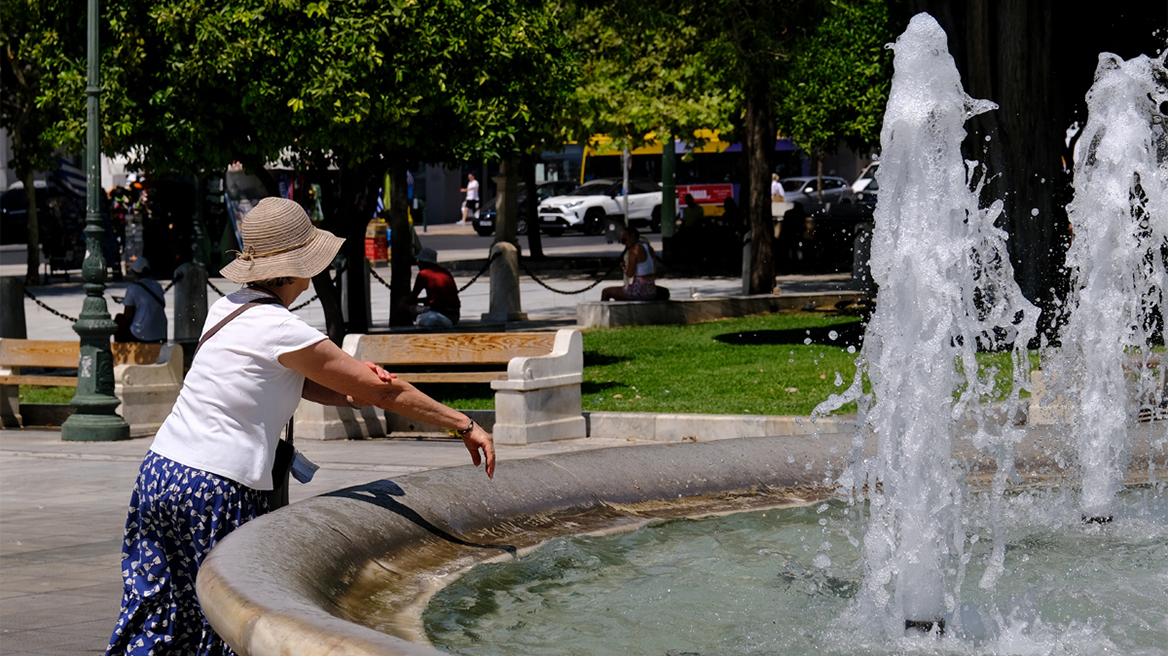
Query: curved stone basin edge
{"x": 311, "y": 579}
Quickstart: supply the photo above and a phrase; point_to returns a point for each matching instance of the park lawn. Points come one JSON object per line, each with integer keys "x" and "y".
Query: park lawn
{"x": 686, "y": 369}
{"x": 35, "y": 394}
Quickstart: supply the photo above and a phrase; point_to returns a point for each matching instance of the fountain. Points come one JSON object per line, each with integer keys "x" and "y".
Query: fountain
{"x": 946, "y": 290}
{"x": 315, "y": 577}
{"x": 1119, "y": 218}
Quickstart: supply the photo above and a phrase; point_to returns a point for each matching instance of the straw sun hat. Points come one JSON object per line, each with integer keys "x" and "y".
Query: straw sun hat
{"x": 279, "y": 241}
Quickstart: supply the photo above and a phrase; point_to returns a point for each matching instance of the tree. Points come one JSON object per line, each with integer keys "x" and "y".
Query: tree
{"x": 364, "y": 85}
{"x": 39, "y": 40}
{"x": 835, "y": 86}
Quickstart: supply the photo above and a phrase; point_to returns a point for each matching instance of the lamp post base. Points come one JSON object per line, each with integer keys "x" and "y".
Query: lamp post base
{"x": 95, "y": 428}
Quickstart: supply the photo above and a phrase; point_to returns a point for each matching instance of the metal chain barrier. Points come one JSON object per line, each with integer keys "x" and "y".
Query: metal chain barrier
{"x": 460, "y": 289}
{"x": 560, "y": 291}
{"x": 40, "y": 303}
{"x": 304, "y": 304}
{"x": 481, "y": 272}
{"x": 215, "y": 289}
{"x": 376, "y": 276}
{"x": 379, "y": 278}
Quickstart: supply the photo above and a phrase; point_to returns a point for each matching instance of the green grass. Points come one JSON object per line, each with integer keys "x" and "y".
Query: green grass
{"x": 33, "y": 394}
{"x": 684, "y": 369}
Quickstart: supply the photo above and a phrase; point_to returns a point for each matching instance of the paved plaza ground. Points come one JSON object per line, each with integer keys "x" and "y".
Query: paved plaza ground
{"x": 63, "y": 504}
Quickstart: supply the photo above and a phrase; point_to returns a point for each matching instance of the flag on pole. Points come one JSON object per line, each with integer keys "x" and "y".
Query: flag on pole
{"x": 71, "y": 178}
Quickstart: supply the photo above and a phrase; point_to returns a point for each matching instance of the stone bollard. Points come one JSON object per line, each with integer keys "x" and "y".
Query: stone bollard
{"x": 190, "y": 307}
{"x": 505, "y": 304}
{"x": 12, "y": 322}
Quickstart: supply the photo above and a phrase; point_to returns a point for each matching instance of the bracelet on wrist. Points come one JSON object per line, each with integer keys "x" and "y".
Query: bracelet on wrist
{"x": 463, "y": 432}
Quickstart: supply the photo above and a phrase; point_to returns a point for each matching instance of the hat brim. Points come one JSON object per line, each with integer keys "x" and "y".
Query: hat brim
{"x": 303, "y": 262}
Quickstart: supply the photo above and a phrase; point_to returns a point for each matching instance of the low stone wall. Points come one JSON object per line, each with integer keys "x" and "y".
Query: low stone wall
{"x": 652, "y": 427}
{"x": 613, "y": 314}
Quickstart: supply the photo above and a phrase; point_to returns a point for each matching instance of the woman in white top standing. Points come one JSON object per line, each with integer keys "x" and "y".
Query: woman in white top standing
{"x": 639, "y": 266}
{"x": 209, "y": 468}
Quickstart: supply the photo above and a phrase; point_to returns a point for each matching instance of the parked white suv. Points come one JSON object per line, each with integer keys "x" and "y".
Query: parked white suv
{"x": 587, "y": 207}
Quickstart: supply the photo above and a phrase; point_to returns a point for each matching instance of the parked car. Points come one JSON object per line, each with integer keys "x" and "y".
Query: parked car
{"x": 866, "y": 187}
{"x": 487, "y": 218}
{"x": 805, "y": 191}
{"x": 587, "y": 207}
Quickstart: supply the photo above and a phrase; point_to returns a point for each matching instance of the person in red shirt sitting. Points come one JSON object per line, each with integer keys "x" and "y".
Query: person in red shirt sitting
{"x": 440, "y": 308}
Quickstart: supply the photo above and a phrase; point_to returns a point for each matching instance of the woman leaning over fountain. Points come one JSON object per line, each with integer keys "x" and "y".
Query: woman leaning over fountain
{"x": 209, "y": 468}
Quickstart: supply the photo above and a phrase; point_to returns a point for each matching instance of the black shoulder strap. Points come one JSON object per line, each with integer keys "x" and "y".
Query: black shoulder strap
{"x": 267, "y": 300}
{"x": 161, "y": 302}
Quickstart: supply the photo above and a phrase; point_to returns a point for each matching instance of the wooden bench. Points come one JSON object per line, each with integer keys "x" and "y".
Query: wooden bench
{"x": 144, "y": 375}
{"x": 536, "y": 376}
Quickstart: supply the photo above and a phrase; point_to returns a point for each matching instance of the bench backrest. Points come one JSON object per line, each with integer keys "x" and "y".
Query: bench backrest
{"x": 451, "y": 348}
{"x": 50, "y": 354}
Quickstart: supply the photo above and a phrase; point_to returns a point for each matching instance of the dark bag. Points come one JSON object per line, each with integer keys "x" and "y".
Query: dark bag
{"x": 662, "y": 294}
{"x": 281, "y": 467}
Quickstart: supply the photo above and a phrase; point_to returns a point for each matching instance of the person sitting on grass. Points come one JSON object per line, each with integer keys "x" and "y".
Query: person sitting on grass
{"x": 640, "y": 266}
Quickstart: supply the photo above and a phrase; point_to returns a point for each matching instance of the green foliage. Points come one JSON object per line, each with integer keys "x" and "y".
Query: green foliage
{"x": 836, "y": 82}
{"x": 41, "y": 41}
{"x": 195, "y": 84}
{"x": 643, "y": 70}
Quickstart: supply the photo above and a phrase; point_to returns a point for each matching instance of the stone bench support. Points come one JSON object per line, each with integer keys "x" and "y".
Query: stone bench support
{"x": 148, "y": 391}
{"x": 540, "y": 400}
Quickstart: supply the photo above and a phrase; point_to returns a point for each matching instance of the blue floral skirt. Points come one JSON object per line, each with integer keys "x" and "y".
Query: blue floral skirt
{"x": 177, "y": 514}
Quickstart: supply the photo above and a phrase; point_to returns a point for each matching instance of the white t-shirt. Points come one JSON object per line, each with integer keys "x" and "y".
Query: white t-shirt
{"x": 149, "y": 322}
{"x": 237, "y": 396}
{"x": 777, "y": 189}
{"x": 472, "y": 190}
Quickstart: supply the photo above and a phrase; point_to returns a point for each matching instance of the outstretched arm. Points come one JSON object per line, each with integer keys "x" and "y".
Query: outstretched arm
{"x": 339, "y": 377}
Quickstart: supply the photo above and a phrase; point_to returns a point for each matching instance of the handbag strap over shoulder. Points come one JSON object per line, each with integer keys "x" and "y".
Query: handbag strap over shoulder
{"x": 268, "y": 300}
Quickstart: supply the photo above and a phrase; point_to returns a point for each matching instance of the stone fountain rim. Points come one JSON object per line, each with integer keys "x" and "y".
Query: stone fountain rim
{"x": 266, "y": 594}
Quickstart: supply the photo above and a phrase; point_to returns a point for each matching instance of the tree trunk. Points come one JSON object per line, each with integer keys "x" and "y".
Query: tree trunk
{"x": 401, "y": 266}
{"x": 32, "y": 276}
{"x": 358, "y": 198}
{"x": 819, "y": 174}
{"x": 759, "y": 143}
{"x": 506, "y": 209}
{"x": 531, "y": 208}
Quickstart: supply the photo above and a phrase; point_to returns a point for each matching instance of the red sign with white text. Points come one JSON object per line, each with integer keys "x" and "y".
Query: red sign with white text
{"x": 707, "y": 194}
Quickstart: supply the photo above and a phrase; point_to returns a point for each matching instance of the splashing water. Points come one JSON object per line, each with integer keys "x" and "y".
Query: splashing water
{"x": 946, "y": 287}
{"x": 1120, "y": 222}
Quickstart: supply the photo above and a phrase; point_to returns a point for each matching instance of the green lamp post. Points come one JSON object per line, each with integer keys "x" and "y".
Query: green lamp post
{"x": 95, "y": 419}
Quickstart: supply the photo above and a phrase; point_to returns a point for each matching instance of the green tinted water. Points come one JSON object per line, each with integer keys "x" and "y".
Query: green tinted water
{"x": 786, "y": 582}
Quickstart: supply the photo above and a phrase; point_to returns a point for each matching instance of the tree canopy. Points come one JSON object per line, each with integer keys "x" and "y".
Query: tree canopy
{"x": 835, "y": 85}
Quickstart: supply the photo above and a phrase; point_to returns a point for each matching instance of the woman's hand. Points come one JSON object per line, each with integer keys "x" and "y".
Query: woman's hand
{"x": 384, "y": 375}
{"x": 480, "y": 440}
